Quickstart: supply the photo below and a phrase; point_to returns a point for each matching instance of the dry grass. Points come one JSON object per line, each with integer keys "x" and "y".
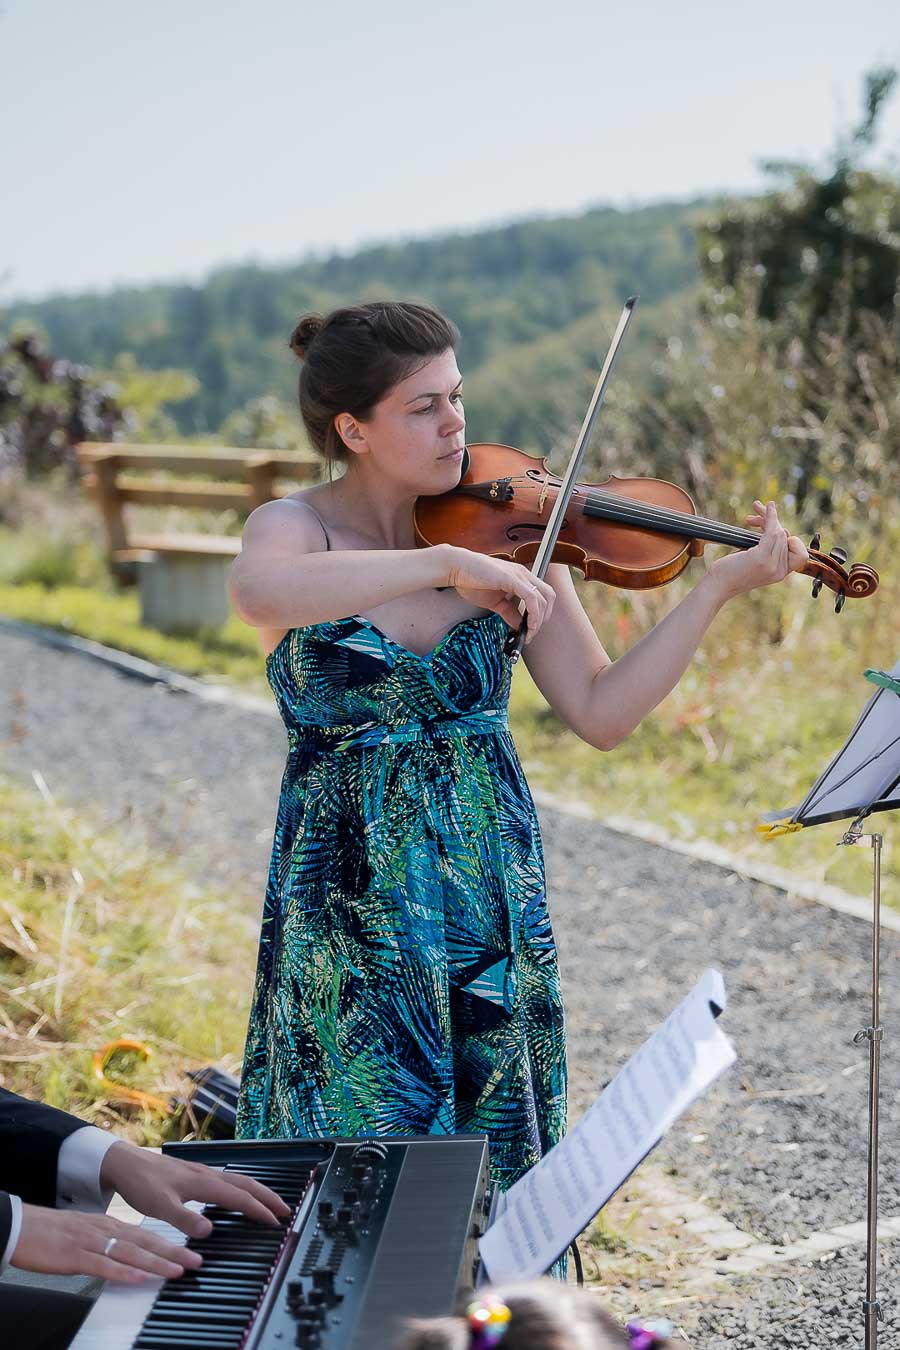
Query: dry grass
{"x": 99, "y": 939}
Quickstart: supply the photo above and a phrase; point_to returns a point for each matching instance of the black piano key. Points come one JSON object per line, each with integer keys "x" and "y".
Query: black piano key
{"x": 214, "y": 1282}
{"x": 205, "y": 1315}
{"x": 188, "y": 1338}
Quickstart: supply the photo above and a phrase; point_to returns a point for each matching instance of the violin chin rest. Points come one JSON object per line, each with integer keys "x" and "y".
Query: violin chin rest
{"x": 464, "y": 467}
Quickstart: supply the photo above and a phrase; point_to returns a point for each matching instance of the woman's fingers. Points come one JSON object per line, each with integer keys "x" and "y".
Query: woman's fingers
{"x": 508, "y": 611}
{"x": 505, "y": 587}
{"x": 538, "y": 598}
{"x": 798, "y": 553}
{"x": 532, "y": 592}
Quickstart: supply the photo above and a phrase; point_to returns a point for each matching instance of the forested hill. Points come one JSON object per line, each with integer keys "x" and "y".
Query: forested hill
{"x": 514, "y": 291}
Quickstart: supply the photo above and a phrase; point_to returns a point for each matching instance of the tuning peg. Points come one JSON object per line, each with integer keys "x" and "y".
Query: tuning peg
{"x": 817, "y": 586}
{"x": 814, "y": 542}
{"x": 839, "y": 602}
{"x": 839, "y": 555}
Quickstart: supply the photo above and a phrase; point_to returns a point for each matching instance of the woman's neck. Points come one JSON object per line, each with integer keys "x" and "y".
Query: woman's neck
{"x": 376, "y": 507}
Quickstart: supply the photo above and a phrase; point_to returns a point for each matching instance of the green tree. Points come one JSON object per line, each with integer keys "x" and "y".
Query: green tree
{"x": 787, "y": 381}
{"x": 145, "y": 394}
{"x": 825, "y": 247}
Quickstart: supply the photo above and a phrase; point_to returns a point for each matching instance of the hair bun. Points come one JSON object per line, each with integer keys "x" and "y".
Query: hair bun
{"x": 308, "y": 328}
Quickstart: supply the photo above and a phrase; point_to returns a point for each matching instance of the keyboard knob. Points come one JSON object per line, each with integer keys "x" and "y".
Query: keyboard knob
{"x": 323, "y": 1278}
{"x": 351, "y": 1196}
{"x": 371, "y": 1153}
{"x": 311, "y": 1317}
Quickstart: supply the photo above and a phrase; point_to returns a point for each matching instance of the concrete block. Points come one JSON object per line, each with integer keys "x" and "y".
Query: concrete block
{"x": 183, "y": 592}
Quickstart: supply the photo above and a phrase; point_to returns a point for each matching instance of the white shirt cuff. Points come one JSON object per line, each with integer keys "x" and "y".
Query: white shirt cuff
{"x": 14, "y": 1231}
{"x": 78, "y": 1169}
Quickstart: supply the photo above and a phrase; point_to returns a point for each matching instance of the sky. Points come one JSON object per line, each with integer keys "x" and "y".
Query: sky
{"x": 156, "y": 141}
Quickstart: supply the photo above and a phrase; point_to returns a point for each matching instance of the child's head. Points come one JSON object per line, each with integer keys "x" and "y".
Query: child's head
{"x": 539, "y": 1315}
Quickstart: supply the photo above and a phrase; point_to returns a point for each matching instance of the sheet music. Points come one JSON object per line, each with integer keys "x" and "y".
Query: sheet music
{"x": 557, "y": 1199}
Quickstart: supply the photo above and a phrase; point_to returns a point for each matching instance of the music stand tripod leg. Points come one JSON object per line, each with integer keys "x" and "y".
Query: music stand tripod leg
{"x": 874, "y": 1033}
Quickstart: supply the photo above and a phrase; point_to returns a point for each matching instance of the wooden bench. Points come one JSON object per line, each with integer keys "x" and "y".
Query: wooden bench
{"x": 182, "y": 576}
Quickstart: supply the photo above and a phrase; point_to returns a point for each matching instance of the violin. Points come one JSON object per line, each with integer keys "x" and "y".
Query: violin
{"x": 634, "y": 533}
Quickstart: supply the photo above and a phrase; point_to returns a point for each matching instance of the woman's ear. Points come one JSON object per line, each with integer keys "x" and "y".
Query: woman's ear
{"x": 351, "y": 433}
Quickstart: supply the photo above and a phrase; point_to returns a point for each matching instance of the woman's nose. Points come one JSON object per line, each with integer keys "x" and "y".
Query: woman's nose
{"x": 454, "y": 421}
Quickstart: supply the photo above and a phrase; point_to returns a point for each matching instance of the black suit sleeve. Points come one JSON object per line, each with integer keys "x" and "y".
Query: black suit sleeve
{"x": 30, "y": 1140}
{"x": 5, "y": 1220}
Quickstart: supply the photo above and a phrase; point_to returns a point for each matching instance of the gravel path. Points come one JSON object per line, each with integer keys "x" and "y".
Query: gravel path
{"x": 778, "y": 1146}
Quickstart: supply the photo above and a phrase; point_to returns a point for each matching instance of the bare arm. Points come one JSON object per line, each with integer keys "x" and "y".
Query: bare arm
{"x": 283, "y": 578}
{"x": 603, "y": 701}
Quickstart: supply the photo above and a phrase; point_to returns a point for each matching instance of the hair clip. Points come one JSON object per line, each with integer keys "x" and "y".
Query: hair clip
{"x": 488, "y": 1322}
{"x": 649, "y": 1334}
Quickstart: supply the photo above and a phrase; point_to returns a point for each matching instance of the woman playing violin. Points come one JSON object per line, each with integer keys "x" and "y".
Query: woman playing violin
{"x": 407, "y": 979}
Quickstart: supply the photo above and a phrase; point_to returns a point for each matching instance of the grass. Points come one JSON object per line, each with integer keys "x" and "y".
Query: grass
{"x": 230, "y": 655}
{"x": 99, "y": 939}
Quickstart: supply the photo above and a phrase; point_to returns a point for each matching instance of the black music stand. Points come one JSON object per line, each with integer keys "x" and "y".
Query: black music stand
{"x": 863, "y": 777}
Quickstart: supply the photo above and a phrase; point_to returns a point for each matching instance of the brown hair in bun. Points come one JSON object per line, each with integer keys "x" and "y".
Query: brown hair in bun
{"x": 303, "y": 334}
{"x": 355, "y": 355}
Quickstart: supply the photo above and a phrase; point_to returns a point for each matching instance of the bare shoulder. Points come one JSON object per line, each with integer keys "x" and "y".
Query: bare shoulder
{"x": 290, "y": 525}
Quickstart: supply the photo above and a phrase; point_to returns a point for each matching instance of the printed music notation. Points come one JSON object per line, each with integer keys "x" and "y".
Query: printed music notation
{"x": 556, "y": 1200}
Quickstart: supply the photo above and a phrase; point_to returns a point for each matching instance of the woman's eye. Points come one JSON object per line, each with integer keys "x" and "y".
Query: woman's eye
{"x": 420, "y": 412}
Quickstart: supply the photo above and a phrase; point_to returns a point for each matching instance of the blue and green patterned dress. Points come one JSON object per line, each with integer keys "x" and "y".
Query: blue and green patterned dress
{"x": 407, "y": 979}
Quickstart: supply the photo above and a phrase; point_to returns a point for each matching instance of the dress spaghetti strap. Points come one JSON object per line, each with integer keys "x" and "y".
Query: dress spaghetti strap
{"x": 309, "y": 506}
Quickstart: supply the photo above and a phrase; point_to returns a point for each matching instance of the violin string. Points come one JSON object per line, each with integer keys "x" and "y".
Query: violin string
{"x": 624, "y": 512}
{"x": 630, "y": 511}
{"x": 652, "y": 515}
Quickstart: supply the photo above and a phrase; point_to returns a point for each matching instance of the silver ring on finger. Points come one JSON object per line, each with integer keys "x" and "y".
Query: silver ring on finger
{"x": 110, "y": 1243}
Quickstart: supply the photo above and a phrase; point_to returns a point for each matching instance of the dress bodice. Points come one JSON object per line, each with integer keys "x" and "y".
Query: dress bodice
{"x": 349, "y": 678}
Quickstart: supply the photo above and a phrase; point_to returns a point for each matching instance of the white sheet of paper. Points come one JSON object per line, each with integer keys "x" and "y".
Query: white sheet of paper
{"x": 556, "y": 1200}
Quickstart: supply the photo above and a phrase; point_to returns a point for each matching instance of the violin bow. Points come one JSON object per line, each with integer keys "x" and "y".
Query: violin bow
{"x": 513, "y": 644}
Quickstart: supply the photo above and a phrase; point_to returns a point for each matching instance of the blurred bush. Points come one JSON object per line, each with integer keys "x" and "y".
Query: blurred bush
{"x": 265, "y": 422}
{"x": 48, "y": 405}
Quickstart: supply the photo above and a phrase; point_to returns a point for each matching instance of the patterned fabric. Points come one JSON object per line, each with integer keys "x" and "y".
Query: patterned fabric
{"x": 407, "y": 979}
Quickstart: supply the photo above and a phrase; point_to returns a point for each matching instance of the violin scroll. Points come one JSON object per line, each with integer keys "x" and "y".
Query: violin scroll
{"x": 830, "y": 569}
